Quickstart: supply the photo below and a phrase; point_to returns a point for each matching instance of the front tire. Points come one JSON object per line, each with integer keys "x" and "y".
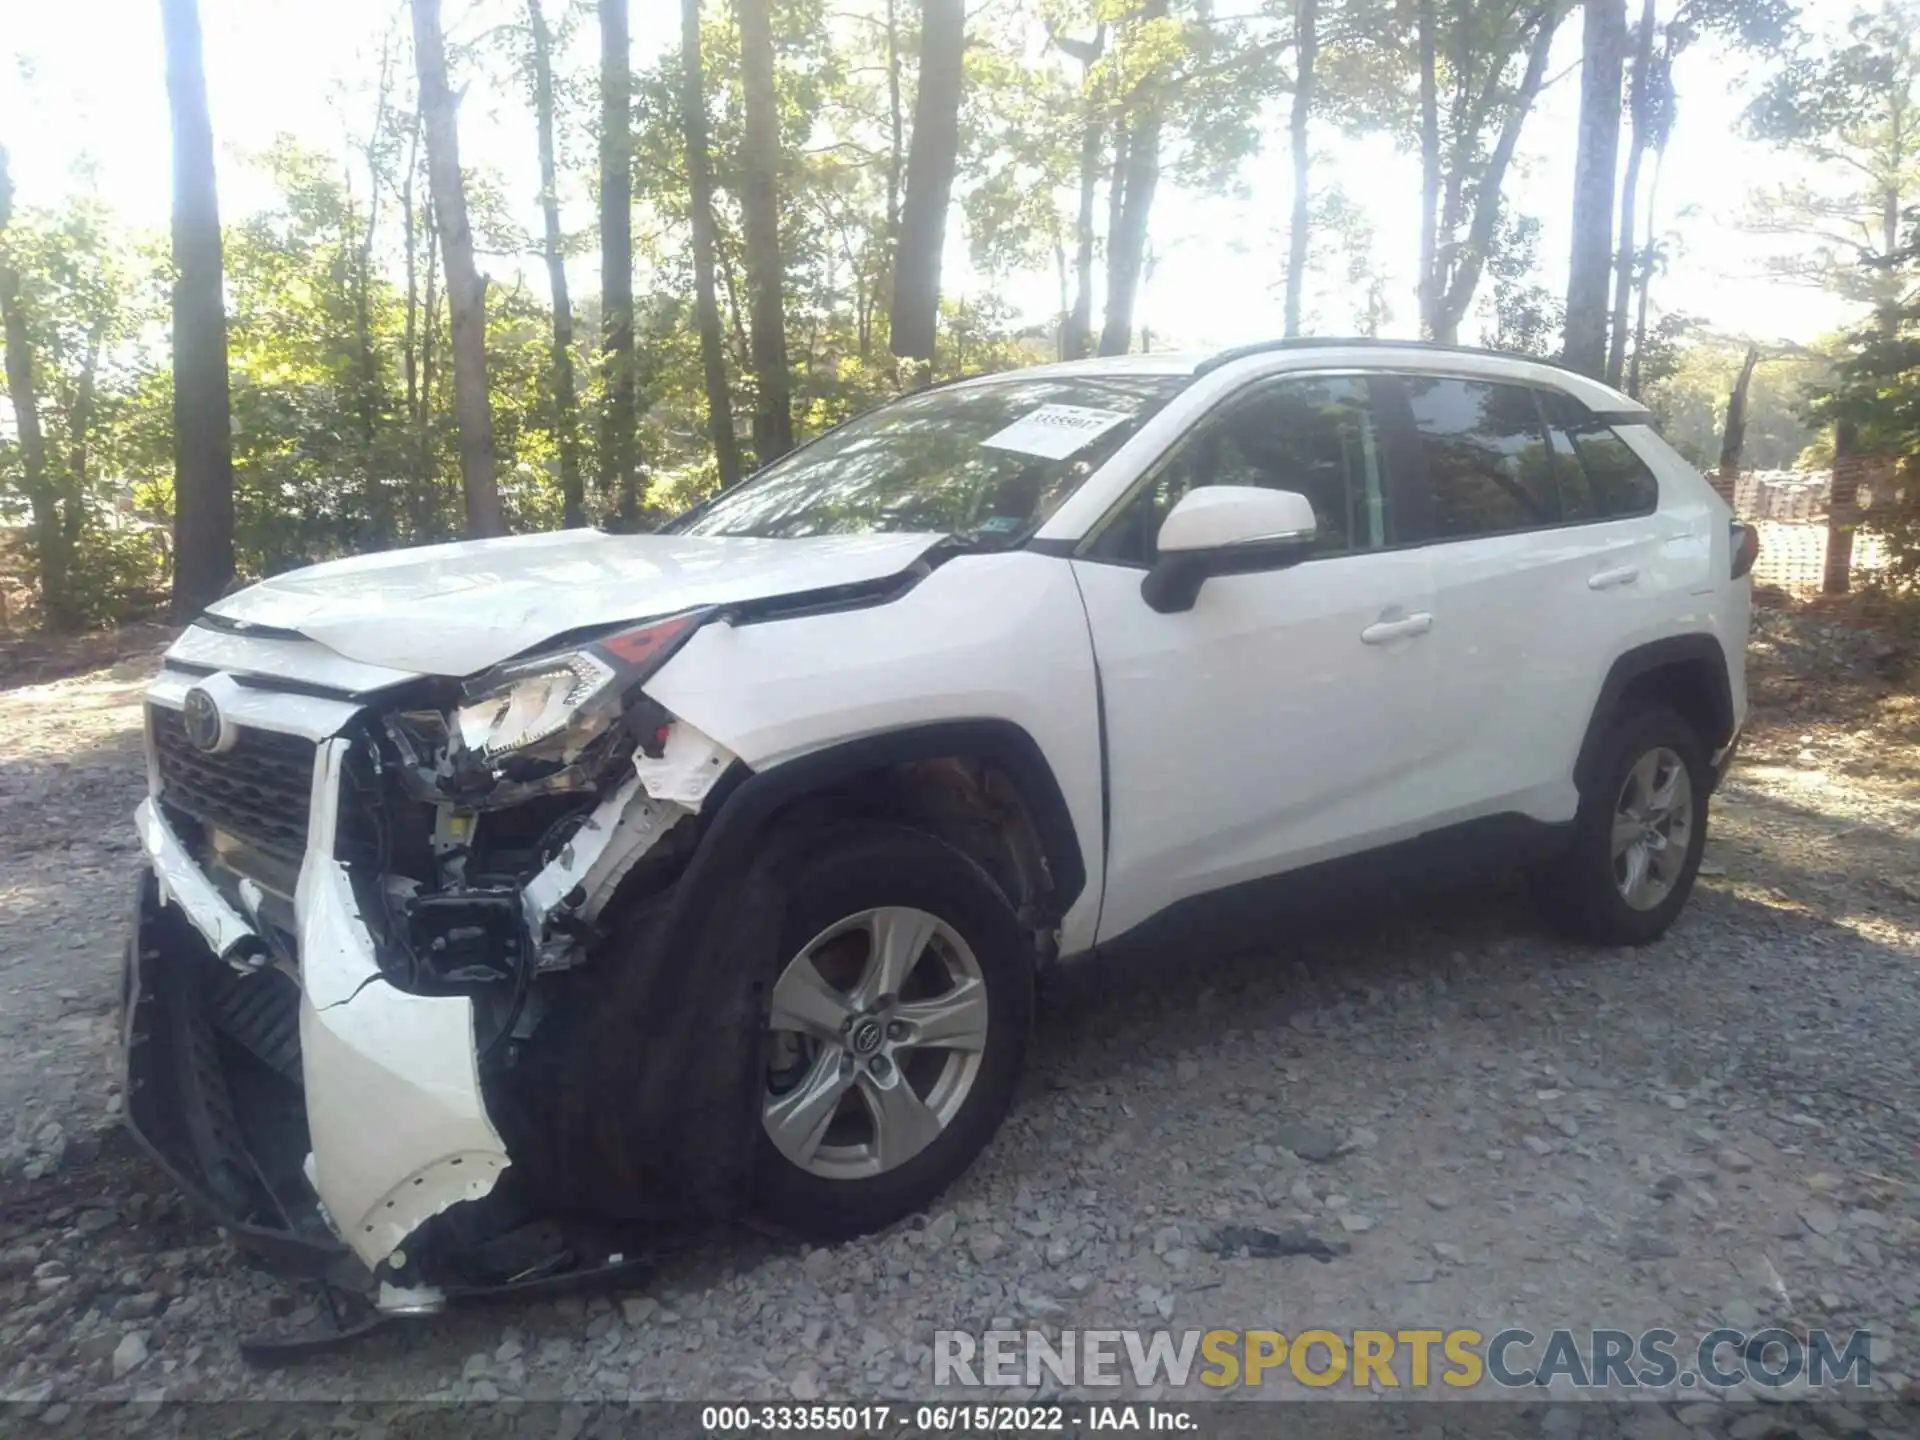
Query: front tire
{"x": 897, "y": 1022}
{"x": 1639, "y": 834}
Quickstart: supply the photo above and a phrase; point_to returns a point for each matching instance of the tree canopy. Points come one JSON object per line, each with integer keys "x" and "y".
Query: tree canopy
{"x": 782, "y": 193}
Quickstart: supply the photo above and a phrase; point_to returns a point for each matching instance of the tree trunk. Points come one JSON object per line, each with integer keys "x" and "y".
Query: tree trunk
{"x": 466, "y": 290}
{"x": 1306, "y": 47}
{"x": 1623, "y": 261}
{"x": 1429, "y": 284}
{"x": 410, "y": 335}
{"x": 60, "y": 542}
{"x": 1595, "y": 166}
{"x": 1078, "y": 331}
{"x": 55, "y": 602}
{"x": 1079, "y": 328}
{"x": 1645, "y": 280}
{"x": 370, "y": 400}
{"x": 935, "y": 152}
{"x": 429, "y": 480}
{"x": 620, "y": 409}
{"x": 1127, "y": 240}
{"x": 1842, "y": 510}
{"x": 1457, "y": 295}
{"x": 566, "y": 410}
{"x": 202, "y": 407}
{"x": 1065, "y": 313}
{"x": 1117, "y": 183}
{"x": 896, "y": 127}
{"x": 80, "y": 426}
{"x": 1733, "y": 440}
{"x": 706, "y": 300}
{"x": 1640, "y": 107}
{"x": 760, "y": 218}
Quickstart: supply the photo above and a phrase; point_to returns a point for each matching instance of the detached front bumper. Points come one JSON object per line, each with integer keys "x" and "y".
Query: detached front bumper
{"x": 186, "y": 1029}
{"x": 285, "y": 1064}
{"x": 304, "y": 1110}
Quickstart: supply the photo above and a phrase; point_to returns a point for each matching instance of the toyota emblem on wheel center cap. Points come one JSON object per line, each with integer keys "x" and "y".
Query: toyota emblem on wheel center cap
{"x": 206, "y": 727}
{"x": 866, "y": 1036}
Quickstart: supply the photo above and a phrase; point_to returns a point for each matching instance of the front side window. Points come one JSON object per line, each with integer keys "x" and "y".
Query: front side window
{"x": 987, "y": 461}
{"x": 1488, "y": 466}
{"x": 1316, "y": 435}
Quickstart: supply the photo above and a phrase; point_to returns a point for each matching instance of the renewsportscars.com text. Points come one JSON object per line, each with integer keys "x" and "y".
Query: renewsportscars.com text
{"x": 1410, "y": 1359}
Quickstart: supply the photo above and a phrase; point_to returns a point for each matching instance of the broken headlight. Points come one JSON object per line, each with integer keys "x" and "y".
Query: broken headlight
{"x": 534, "y": 701}
{"x": 551, "y": 705}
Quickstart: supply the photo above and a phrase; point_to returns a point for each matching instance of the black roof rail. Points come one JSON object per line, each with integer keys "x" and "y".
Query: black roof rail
{"x": 1362, "y": 342}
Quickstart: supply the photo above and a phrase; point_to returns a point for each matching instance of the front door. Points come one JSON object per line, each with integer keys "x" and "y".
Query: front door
{"x": 1278, "y": 721}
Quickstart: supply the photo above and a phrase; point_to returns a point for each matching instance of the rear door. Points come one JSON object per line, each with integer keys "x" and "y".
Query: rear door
{"x": 1546, "y": 542}
{"x": 1281, "y": 720}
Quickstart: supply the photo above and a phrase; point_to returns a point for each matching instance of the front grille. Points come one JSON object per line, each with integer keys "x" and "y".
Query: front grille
{"x": 260, "y": 791}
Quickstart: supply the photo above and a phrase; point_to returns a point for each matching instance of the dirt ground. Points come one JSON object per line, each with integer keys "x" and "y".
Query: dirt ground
{"x": 1720, "y": 1128}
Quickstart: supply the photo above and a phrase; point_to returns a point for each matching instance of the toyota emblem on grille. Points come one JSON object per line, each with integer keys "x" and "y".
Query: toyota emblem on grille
{"x": 206, "y": 727}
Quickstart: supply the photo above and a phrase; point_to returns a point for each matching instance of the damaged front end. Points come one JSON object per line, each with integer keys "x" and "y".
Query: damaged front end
{"x": 364, "y": 952}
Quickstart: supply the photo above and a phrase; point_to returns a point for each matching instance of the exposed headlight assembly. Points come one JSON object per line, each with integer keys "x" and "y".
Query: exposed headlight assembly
{"x": 552, "y": 706}
{"x": 528, "y": 702}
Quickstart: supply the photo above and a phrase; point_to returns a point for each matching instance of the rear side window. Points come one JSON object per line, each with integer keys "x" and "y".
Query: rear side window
{"x": 1618, "y": 479}
{"x": 1488, "y": 465}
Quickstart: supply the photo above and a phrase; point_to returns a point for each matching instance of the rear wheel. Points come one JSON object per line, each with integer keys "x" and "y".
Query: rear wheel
{"x": 1639, "y": 834}
{"x": 896, "y": 1026}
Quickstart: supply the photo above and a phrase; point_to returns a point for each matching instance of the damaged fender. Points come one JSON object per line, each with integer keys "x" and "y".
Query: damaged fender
{"x": 580, "y": 880}
{"x": 399, "y": 1128}
{"x": 394, "y": 1111}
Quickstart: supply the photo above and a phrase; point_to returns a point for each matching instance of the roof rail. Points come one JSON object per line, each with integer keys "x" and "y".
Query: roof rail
{"x": 1329, "y": 342}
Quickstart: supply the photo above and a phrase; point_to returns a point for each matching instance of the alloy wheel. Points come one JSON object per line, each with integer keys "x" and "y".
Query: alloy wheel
{"x": 875, "y": 1034}
{"x": 1652, "y": 827}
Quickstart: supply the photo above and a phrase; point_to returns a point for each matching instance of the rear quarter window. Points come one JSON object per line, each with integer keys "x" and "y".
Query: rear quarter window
{"x": 1618, "y": 480}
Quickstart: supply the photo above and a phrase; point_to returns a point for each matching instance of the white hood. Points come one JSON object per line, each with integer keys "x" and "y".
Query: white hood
{"x": 454, "y": 609}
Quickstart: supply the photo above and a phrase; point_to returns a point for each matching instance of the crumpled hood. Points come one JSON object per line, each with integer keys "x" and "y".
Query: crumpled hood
{"x": 455, "y": 609}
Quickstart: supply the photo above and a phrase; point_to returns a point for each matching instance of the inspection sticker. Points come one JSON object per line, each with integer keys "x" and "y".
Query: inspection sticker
{"x": 1055, "y": 431}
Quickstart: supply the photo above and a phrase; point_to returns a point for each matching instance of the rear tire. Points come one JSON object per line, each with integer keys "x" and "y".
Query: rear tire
{"x": 899, "y": 1007}
{"x": 1638, "y": 836}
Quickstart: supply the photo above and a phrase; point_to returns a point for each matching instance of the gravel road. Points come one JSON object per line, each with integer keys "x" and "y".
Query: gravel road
{"x": 1721, "y": 1128}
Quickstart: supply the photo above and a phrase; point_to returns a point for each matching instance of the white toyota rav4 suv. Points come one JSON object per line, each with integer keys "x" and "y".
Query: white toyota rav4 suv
{"x": 504, "y": 900}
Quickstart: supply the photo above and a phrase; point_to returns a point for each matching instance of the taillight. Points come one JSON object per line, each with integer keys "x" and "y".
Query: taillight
{"x": 1746, "y": 548}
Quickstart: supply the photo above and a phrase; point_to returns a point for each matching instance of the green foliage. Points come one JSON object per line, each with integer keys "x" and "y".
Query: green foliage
{"x": 339, "y": 345}
{"x": 1875, "y": 394}
{"x": 120, "y": 567}
{"x": 1688, "y": 375}
{"x": 86, "y": 295}
{"x": 1854, "y": 112}
{"x": 1527, "y": 316}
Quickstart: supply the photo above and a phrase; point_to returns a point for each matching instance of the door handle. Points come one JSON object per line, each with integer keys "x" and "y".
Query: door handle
{"x": 1609, "y": 579}
{"x": 1380, "y": 632}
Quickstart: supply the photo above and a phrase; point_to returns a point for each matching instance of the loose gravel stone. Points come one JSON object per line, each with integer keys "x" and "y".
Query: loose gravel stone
{"x": 130, "y": 1354}
{"x": 1820, "y": 1220}
{"x": 1309, "y": 1142}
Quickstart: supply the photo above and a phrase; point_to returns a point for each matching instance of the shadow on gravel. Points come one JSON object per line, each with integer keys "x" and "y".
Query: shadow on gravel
{"x": 35, "y": 658}
{"x": 1478, "y": 964}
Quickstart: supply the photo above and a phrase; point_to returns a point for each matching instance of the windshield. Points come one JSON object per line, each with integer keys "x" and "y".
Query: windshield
{"x": 987, "y": 461}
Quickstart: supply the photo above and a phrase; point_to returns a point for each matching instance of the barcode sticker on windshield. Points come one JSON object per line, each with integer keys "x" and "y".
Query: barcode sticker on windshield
{"x": 1055, "y": 431}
